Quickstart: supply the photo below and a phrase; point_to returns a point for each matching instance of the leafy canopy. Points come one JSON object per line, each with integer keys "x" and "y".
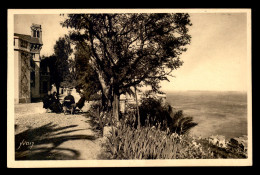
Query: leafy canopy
{"x": 85, "y": 74}
{"x": 58, "y": 62}
{"x": 131, "y": 49}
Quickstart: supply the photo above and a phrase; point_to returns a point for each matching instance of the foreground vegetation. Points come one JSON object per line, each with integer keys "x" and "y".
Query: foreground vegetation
{"x": 164, "y": 134}
{"x": 152, "y": 143}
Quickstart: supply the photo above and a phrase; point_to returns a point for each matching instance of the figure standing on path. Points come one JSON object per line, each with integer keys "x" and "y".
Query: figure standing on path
{"x": 53, "y": 88}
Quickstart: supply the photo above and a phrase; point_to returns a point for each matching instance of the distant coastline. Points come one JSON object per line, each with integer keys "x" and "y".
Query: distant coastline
{"x": 203, "y": 91}
{"x": 216, "y": 112}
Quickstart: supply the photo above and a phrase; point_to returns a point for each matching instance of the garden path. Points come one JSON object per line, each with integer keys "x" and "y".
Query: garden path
{"x": 50, "y": 136}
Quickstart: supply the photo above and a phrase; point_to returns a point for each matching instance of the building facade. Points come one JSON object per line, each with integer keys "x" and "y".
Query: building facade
{"x": 29, "y": 78}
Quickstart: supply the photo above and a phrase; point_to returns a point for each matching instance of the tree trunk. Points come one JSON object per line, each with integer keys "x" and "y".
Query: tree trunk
{"x": 111, "y": 95}
{"x": 137, "y": 110}
{"x": 57, "y": 88}
{"x": 103, "y": 102}
{"x": 115, "y": 105}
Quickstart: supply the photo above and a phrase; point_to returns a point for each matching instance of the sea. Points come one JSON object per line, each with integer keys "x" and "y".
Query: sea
{"x": 216, "y": 112}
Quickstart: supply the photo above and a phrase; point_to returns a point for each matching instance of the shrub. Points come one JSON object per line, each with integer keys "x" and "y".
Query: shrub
{"x": 99, "y": 118}
{"x": 153, "y": 112}
{"x": 152, "y": 143}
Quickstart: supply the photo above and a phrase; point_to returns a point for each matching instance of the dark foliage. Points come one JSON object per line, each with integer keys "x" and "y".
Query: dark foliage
{"x": 154, "y": 113}
{"x": 128, "y": 50}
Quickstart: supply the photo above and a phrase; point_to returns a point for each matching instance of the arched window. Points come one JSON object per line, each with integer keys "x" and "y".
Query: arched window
{"x": 38, "y": 34}
{"x": 34, "y": 33}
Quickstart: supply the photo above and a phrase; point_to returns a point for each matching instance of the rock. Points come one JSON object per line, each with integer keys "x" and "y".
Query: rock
{"x": 239, "y": 142}
{"x": 218, "y": 140}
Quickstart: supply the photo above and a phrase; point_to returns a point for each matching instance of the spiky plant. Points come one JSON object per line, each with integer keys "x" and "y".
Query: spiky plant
{"x": 153, "y": 111}
{"x": 182, "y": 124}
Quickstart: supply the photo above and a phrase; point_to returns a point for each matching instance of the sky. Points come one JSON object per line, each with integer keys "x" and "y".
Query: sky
{"x": 215, "y": 60}
{"x": 51, "y": 28}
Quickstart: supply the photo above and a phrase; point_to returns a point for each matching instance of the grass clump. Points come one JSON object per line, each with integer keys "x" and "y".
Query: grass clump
{"x": 127, "y": 142}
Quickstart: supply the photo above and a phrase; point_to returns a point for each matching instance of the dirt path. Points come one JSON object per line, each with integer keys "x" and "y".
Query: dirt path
{"x": 50, "y": 136}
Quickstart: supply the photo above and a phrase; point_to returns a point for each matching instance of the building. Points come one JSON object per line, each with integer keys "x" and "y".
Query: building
{"x": 31, "y": 80}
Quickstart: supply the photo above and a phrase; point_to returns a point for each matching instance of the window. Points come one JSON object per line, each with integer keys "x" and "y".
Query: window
{"x": 34, "y": 33}
{"x": 38, "y": 34}
{"x": 24, "y": 44}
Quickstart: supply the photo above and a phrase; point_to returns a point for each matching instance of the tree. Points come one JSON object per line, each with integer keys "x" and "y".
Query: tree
{"x": 85, "y": 74}
{"x": 50, "y": 61}
{"x": 58, "y": 62}
{"x": 130, "y": 50}
{"x": 62, "y": 51}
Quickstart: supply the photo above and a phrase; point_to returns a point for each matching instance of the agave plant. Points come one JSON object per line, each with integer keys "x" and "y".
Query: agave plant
{"x": 153, "y": 111}
{"x": 181, "y": 124}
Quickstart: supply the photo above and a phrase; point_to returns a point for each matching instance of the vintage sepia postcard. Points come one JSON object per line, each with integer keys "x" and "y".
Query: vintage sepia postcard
{"x": 129, "y": 88}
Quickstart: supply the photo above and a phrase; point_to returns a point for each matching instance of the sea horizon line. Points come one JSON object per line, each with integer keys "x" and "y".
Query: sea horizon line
{"x": 235, "y": 91}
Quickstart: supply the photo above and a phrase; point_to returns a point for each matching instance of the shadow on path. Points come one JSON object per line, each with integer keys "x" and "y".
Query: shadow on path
{"x": 42, "y": 143}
